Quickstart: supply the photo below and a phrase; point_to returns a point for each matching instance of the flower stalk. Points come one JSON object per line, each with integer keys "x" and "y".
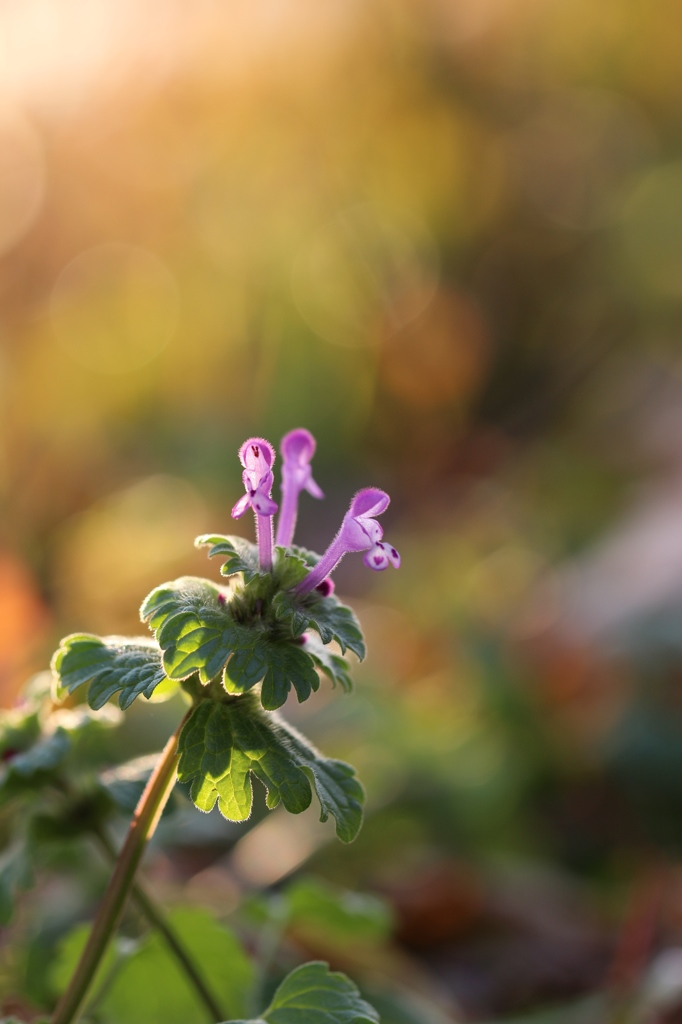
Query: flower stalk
{"x": 142, "y": 827}
{"x": 157, "y": 919}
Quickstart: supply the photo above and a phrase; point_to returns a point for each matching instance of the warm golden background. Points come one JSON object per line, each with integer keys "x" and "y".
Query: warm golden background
{"x": 447, "y": 238}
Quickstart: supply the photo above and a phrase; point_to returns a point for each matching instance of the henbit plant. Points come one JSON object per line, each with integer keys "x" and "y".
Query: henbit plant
{"x": 235, "y": 651}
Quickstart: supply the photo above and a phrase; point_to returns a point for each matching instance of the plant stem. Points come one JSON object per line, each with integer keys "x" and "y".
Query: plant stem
{"x": 142, "y": 826}
{"x": 156, "y": 917}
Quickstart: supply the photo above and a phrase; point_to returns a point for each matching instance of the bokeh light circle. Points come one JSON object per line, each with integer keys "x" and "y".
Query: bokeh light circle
{"x": 114, "y": 308}
{"x": 22, "y": 176}
{"x": 361, "y": 266}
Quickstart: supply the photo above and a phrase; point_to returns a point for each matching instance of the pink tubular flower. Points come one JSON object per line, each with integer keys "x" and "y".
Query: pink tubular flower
{"x": 257, "y": 457}
{"x": 359, "y": 532}
{"x": 298, "y": 448}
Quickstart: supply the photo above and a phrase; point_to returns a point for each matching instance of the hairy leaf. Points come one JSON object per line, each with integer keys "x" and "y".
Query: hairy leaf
{"x": 194, "y": 627}
{"x": 333, "y": 666}
{"x": 223, "y": 744}
{"x": 240, "y": 555}
{"x": 289, "y": 568}
{"x": 109, "y": 665}
{"x": 279, "y": 665}
{"x": 336, "y": 621}
{"x": 312, "y": 994}
{"x": 331, "y": 619}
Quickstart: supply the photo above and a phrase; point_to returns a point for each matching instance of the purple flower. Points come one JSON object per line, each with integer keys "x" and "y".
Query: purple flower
{"x": 298, "y": 448}
{"x": 359, "y": 532}
{"x": 257, "y": 457}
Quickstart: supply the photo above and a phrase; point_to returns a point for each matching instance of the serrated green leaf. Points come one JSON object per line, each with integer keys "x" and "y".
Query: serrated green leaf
{"x": 279, "y": 665}
{"x": 289, "y": 568}
{"x": 288, "y": 610}
{"x": 240, "y": 555}
{"x": 311, "y": 558}
{"x": 223, "y": 744}
{"x": 333, "y": 665}
{"x": 109, "y": 665}
{"x": 331, "y": 619}
{"x": 338, "y": 789}
{"x": 194, "y": 627}
{"x": 312, "y": 994}
{"x": 336, "y": 621}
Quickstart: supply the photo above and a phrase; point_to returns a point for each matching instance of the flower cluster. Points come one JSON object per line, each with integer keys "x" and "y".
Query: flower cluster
{"x": 359, "y": 530}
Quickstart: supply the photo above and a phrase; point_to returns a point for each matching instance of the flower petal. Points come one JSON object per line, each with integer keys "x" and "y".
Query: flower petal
{"x": 263, "y": 504}
{"x": 312, "y": 488}
{"x": 393, "y": 556}
{"x": 371, "y": 501}
{"x": 298, "y": 446}
{"x": 241, "y": 506}
{"x": 376, "y": 558}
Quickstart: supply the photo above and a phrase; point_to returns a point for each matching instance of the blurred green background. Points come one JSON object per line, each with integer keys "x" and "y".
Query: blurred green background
{"x": 445, "y": 237}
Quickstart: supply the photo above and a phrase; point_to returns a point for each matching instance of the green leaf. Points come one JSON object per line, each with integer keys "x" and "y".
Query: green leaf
{"x": 240, "y": 555}
{"x": 312, "y": 994}
{"x": 40, "y": 758}
{"x": 289, "y": 568}
{"x": 69, "y": 953}
{"x": 279, "y": 665}
{"x": 223, "y": 744}
{"x": 333, "y": 666}
{"x": 149, "y": 987}
{"x": 331, "y": 619}
{"x": 336, "y": 621}
{"x": 194, "y": 627}
{"x": 18, "y": 730}
{"x": 108, "y": 664}
{"x": 337, "y": 915}
{"x": 288, "y": 610}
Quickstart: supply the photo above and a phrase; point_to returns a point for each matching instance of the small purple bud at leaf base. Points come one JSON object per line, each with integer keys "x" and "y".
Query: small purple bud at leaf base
{"x": 326, "y": 587}
{"x": 222, "y": 599}
{"x": 359, "y": 532}
{"x": 257, "y": 456}
{"x": 302, "y": 639}
{"x": 297, "y": 448}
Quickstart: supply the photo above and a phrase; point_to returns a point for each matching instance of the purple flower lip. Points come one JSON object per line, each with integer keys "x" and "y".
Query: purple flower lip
{"x": 298, "y": 448}
{"x": 380, "y": 556}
